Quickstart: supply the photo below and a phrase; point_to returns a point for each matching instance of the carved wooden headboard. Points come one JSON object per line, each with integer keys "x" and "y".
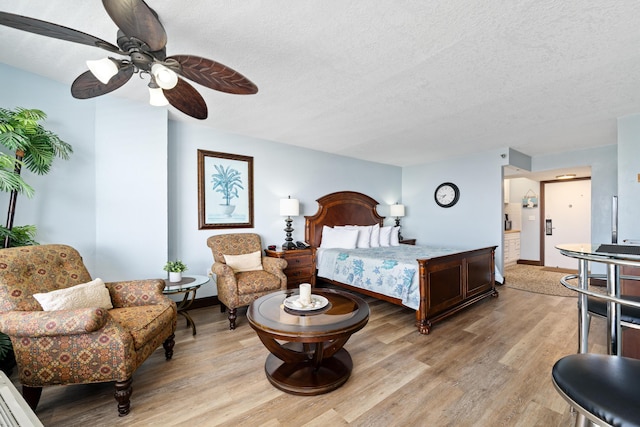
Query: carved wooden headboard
{"x": 341, "y": 208}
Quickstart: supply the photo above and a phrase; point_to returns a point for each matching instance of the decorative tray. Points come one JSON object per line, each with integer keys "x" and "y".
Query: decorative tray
{"x": 318, "y": 302}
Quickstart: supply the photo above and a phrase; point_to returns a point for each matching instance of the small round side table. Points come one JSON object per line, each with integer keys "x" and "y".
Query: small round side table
{"x": 187, "y": 287}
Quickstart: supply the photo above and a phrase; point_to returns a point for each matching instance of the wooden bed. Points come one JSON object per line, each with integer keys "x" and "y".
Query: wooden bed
{"x": 448, "y": 283}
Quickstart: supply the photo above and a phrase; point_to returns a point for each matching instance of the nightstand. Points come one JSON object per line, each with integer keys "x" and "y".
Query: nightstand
{"x": 408, "y": 241}
{"x": 300, "y": 266}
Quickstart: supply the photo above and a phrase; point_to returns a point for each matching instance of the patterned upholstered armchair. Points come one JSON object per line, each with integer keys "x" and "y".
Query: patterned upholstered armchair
{"x": 79, "y": 345}
{"x": 242, "y": 275}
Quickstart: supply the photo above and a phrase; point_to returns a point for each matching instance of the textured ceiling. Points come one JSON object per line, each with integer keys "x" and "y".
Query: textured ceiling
{"x": 396, "y": 82}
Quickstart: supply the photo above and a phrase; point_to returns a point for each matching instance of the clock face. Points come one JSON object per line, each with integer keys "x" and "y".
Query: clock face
{"x": 447, "y": 194}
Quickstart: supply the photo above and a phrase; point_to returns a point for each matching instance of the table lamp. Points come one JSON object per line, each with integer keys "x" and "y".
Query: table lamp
{"x": 289, "y": 207}
{"x": 397, "y": 210}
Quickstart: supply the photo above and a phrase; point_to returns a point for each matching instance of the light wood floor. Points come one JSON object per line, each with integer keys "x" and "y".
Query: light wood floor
{"x": 487, "y": 366}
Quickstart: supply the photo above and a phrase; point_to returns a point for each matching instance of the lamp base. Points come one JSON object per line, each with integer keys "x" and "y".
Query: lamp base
{"x": 288, "y": 245}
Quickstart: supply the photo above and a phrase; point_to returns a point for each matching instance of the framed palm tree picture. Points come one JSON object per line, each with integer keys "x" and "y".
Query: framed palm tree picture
{"x": 225, "y": 190}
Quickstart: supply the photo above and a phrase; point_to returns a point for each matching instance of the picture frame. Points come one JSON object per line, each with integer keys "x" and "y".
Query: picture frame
{"x": 225, "y": 190}
{"x": 529, "y": 202}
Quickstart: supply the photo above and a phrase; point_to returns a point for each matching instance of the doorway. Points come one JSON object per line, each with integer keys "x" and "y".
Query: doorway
{"x": 566, "y": 214}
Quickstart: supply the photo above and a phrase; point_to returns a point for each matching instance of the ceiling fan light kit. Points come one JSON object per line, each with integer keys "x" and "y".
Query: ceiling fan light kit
{"x": 165, "y": 78}
{"x": 103, "y": 69}
{"x": 156, "y": 97}
{"x": 142, "y": 41}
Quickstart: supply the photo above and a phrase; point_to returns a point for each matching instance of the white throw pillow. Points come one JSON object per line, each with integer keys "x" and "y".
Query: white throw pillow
{"x": 385, "y": 236}
{"x": 244, "y": 262}
{"x": 395, "y": 236}
{"x": 87, "y": 295}
{"x": 364, "y": 235}
{"x": 342, "y": 238}
{"x": 375, "y": 236}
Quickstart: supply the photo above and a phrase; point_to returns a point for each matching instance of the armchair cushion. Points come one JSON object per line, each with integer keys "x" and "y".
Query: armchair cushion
{"x": 251, "y": 282}
{"x": 144, "y": 322}
{"x": 245, "y": 262}
{"x": 85, "y": 295}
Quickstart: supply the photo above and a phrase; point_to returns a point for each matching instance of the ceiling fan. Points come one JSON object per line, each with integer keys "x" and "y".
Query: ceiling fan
{"x": 142, "y": 40}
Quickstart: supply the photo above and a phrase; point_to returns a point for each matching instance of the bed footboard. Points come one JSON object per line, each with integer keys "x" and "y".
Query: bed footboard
{"x": 450, "y": 283}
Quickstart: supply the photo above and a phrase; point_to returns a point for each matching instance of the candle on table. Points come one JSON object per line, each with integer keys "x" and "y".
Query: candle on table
{"x": 305, "y": 293}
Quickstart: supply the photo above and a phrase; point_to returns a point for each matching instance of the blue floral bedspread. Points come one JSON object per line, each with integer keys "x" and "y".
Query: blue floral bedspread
{"x": 391, "y": 271}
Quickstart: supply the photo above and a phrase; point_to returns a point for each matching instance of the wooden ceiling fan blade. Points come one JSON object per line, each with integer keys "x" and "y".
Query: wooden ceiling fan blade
{"x": 214, "y": 75}
{"x": 136, "y": 19}
{"x": 88, "y": 86}
{"x": 55, "y": 31}
{"x": 186, "y": 99}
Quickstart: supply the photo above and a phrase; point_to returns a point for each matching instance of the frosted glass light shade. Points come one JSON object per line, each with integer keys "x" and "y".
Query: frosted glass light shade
{"x": 289, "y": 207}
{"x": 157, "y": 98}
{"x": 396, "y": 210}
{"x": 165, "y": 78}
{"x": 103, "y": 69}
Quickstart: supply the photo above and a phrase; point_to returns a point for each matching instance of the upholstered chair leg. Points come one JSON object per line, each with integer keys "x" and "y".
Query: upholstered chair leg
{"x": 123, "y": 396}
{"x": 168, "y": 346}
{"x": 232, "y": 318}
{"x": 31, "y": 395}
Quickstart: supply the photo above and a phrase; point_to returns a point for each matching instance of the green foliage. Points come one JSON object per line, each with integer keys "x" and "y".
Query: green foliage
{"x": 175, "y": 266}
{"x": 227, "y": 181}
{"x": 20, "y": 131}
{"x": 9, "y": 179}
{"x": 19, "y": 235}
{"x": 5, "y": 346}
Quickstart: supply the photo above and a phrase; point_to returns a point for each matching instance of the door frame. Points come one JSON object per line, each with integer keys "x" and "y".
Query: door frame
{"x": 541, "y": 205}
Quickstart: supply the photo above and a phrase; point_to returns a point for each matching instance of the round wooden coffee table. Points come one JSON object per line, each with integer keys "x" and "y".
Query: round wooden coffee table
{"x": 312, "y": 360}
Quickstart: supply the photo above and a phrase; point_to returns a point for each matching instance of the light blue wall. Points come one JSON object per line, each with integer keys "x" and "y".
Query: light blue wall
{"x": 475, "y": 221}
{"x": 279, "y": 171}
{"x": 127, "y": 199}
{"x": 131, "y": 189}
{"x": 604, "y": 172}
{"x": 64, "y": 206}
{"x": 629, "y": 172}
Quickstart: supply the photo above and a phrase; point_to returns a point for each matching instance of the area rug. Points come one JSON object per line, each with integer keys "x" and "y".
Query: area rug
{"x": 536, "y": 279}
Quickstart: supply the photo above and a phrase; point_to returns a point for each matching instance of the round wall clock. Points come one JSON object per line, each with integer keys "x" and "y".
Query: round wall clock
{"x": 447, "y": 194}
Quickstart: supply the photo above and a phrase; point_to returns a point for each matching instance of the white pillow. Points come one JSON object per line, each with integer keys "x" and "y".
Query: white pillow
{"x": 244, "y": 262}
{"x": 375, "y": 236}
{"x": 364, "y": 235}
{"x": 385, "y": 236}
{"x": 395, "y": 236}
{"x": 342, "y": 238}
{"x": 87, "y": 295}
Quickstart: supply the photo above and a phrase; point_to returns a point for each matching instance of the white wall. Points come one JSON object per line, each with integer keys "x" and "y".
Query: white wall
{"x": 529, "y": 229}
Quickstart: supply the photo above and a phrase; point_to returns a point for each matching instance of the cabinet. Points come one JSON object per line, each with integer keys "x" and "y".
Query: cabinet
{"x": 300, "y": 266}
{"x": 506, "y": 189}
{"x": 511, "y": 247}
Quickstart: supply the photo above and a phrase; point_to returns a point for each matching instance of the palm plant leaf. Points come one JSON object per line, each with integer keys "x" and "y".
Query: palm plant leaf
{"x": 11, "y": 181}
{"x": 19, "y": 235}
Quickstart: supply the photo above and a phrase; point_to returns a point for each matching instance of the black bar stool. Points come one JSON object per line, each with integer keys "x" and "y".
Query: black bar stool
{"x": 604, "y": 389}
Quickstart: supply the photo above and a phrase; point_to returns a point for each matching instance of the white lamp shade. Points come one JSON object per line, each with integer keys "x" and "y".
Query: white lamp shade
{"x": 396, "y": 210}
{"x": 103, "y": 69}
{"x": 289, "y": 207}
{"x": 157, "y": 98}
{"x": 165, "y": 78}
